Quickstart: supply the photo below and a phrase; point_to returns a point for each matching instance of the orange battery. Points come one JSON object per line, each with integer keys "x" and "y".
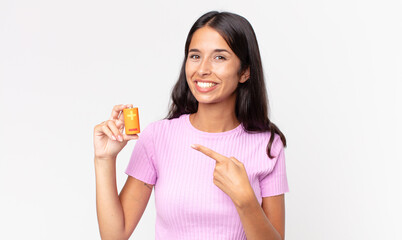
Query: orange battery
{"x": 131, "y": 120}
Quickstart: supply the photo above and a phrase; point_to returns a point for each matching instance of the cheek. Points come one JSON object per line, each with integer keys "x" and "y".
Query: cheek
{"x": 188, "y": 73}
{"x": 189, "y": 69}
{"x": 230, "y": 73}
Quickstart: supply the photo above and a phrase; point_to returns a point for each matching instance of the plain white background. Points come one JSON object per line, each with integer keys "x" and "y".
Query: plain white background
{"x": 333, "y": 73}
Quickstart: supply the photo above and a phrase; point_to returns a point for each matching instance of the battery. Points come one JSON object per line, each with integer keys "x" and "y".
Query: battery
{"x": 131, "y": 120}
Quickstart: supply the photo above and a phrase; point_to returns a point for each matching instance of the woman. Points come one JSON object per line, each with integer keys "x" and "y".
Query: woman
{"x": 230, "y": 183}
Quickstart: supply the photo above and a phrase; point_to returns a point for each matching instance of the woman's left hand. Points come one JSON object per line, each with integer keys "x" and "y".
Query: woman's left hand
{"x": 230, "y": 176}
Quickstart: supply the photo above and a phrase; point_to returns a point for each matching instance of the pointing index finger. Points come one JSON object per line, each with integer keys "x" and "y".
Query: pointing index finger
{"x": 209, "y": 152}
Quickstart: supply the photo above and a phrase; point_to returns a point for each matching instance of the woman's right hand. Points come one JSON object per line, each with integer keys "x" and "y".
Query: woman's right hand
{"x": 109, "y": 138}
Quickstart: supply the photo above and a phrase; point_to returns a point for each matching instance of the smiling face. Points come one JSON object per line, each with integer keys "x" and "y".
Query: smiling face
{"x": 212, "y": 68}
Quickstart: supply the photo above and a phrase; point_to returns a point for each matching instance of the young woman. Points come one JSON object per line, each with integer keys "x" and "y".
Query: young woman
{"x": 216, "y": 161}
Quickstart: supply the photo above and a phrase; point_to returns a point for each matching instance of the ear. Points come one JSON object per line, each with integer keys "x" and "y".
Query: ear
{"x": 245, "y": 75}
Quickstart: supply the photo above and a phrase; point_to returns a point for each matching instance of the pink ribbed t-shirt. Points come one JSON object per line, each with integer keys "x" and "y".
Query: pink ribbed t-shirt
{"x": 188, "y": 204}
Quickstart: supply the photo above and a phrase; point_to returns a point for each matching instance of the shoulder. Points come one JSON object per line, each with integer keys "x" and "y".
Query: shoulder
{"x": 263, "y": 136}
{"x": 164, "y": 125}
{"x": 262, "y": 139}
{"x": 277, "y": 144}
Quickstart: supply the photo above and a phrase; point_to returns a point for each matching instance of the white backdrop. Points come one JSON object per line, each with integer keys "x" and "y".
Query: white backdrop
{"x": 333, "y": 72}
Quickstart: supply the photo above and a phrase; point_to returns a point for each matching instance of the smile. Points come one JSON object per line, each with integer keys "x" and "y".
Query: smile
{"x": 205, "y": 86}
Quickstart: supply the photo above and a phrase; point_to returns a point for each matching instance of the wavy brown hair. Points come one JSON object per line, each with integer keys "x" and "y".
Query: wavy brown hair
{"x": 251, "y": 100}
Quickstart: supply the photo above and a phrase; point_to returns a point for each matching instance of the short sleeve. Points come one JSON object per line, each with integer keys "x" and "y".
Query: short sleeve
{"x": 141, "y": 165}
{"x": 275, "y": 182}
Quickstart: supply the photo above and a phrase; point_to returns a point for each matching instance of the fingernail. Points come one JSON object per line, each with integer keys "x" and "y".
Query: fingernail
{"x": 193, "y": 146}
{"x": 120, "y": 138}
{"x": 114, "y": 138}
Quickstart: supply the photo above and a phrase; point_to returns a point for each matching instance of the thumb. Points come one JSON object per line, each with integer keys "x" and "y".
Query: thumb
{"x": 236, "y": 161}
{"x": 130, "y": 137}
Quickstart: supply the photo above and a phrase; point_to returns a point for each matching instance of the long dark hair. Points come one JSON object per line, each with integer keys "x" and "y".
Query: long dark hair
{"x": 251, "y": 101}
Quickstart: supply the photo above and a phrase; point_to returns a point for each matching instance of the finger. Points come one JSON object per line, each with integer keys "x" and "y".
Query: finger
{"x": 116, "y": 111}
{"x": 218, "y": 184}
{"x": 236, "y": 161}
{"x": 108, "y": 133}
{"x": 130, "y": 137}
{"x": 209, "y": 152}
{"x": 112, "y": 126}
{"x": 120, "y": 123}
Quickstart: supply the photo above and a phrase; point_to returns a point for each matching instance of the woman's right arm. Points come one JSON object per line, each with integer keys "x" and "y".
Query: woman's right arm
{"x": 117, "y": 215}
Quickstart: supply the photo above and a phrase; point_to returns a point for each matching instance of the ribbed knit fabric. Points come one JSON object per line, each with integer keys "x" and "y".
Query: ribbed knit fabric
{"x": 188, "y": 204}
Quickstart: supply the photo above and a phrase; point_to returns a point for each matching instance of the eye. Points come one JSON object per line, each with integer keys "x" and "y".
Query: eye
{"x": 220, "y": 57}
{"x": 194, "y": 56}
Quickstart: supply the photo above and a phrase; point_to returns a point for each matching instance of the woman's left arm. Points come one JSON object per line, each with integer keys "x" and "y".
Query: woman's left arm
{"x": 266, "y": 222}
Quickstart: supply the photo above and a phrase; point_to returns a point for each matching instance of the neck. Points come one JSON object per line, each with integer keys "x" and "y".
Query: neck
{"x": 215, "y": 117}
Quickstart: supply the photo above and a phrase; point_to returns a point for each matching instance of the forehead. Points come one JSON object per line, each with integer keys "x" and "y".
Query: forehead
{"x": 208, "y": 39}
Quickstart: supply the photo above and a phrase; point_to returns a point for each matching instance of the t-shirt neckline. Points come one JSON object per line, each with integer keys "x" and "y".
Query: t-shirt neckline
{"x": 194, "y": 129}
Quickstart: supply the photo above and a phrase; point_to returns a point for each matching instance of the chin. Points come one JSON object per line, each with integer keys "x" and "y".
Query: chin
{"x": 205, "y": 101}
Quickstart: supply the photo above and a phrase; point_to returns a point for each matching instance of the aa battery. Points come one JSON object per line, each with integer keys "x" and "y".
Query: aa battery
{"x": 131, "y": 120}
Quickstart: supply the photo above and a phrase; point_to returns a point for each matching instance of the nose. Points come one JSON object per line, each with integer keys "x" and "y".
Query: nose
{"x": 205, "y": 67}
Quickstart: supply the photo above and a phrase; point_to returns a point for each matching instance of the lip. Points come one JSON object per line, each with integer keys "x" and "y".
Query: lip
{"x": 207, "y": 81}
{"x": 205, "y": 90}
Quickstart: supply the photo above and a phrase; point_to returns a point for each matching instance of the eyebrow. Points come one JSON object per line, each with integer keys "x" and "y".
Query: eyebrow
{"x": 216, "y": 50}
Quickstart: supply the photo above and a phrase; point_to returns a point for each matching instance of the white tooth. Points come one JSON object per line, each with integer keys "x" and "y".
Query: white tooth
{"x": 205, "y": 85}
